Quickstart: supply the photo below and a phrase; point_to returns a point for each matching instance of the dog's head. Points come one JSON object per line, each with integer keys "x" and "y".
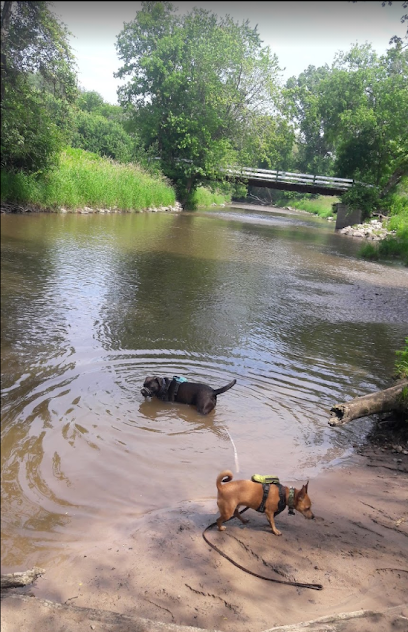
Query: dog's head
{"x": 303, "y": 504}
{"x": 151, "y": 386}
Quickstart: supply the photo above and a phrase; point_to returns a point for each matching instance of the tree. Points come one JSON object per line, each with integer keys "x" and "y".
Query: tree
{"x": 90, "y": 101}
{"x": 32, "y": 40}
{"x": 38, "y": 80}
{"x": 197, "y": 84}
{"x": 303, "y": 102}
{"x": 353, "y": 118}
{"x": 99, "y": 135}
{"x": 366, "y": 101}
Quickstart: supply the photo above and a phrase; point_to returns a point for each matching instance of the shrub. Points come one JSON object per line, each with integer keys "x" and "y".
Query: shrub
{"x": 369, "y": 251}
{"x": 401, "y": 364}
{"x": 361, "y": 197}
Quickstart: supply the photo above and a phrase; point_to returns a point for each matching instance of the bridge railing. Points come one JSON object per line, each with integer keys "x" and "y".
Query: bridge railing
{"x": 287, "y": 176}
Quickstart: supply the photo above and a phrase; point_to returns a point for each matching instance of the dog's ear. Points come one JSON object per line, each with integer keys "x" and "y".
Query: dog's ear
{"x": 303, "y": 491}
{"x": 159, "y": 381}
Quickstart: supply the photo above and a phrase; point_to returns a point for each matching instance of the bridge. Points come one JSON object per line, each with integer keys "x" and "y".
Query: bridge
{"x": 287, "y": 181}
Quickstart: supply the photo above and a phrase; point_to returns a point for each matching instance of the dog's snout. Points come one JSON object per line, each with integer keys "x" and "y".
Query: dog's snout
{"x": 308, "y": 514}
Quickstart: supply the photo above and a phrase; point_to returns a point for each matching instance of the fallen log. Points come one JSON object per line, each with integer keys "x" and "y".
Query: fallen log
{"x": 379, "y": 402}
{"x": 15, "y": 580}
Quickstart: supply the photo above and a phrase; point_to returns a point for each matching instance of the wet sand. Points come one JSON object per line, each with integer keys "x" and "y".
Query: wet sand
{"x": 165, "y": 572}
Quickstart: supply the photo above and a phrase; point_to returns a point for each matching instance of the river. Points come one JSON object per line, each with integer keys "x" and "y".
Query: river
{"x": 92, "y": 304}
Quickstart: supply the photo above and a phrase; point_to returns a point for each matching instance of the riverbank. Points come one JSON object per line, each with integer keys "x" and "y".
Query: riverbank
{"x": 32, "y": 208}
{"x": 83, "y": 179}
{"x": 164, "y": 571}
{"x": 373, "y": 230}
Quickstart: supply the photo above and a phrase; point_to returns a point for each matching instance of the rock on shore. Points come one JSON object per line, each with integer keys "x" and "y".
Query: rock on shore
{"x": 7, "y": 207}
{"x": 373, "y": 230}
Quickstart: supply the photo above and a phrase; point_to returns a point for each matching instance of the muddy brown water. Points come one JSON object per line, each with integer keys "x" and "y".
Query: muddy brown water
{"x": 92, "y": 304}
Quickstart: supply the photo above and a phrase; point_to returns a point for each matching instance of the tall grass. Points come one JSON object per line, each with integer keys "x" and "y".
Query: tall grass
{"x": 401, "y": 363}
{"x": 204, "y": 197}
{"x": 393, "y": 246}
{"x": 85, "y": 179}
{"x": 322, "y": 205}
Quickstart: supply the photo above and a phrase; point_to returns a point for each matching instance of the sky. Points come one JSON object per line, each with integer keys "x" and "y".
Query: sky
{"x": 299, "y": 33}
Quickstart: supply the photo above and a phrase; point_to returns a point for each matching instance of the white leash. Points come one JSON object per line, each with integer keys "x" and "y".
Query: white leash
{"x": 235, "y": 451}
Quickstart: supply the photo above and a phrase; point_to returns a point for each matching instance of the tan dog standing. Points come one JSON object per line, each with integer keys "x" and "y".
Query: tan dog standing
{"x": 234, "y": 494}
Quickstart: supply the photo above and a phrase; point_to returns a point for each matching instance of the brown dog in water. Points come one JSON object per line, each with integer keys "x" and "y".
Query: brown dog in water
{"x": 271, "y": 500}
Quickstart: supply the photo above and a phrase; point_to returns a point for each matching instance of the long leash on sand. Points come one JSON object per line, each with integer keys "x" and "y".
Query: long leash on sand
{"x": 246, "y": 570}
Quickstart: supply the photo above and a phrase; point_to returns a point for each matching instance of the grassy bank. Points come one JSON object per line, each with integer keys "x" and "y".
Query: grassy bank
{"x": 205, "y": 197}
{"x": 321, "y": 205}
{"x": 85, "y": 179}
{"x": 393, "y": 246}
{"x": 396, "y": 206}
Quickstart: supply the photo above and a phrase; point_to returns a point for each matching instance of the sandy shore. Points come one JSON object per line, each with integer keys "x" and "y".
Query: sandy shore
{"x": 356, "y": 547}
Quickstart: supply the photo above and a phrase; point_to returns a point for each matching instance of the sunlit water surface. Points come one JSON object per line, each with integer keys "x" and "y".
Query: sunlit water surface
{"x": 93, "y": 304}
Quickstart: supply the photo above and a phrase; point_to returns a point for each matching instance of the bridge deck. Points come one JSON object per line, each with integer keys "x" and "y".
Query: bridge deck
{"x": 285, "y": 180}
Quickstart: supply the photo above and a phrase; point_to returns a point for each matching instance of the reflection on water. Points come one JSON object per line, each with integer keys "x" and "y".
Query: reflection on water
{"x": 91, "y": 305}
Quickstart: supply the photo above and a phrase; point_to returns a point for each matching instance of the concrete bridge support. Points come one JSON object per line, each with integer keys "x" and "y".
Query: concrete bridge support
{"x": 347, "y": 217}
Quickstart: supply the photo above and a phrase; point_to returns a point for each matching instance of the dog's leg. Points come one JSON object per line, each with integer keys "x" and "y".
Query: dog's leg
{"x": 238, "y": 515}
{"x": 205, "y": 402}
{"x": 271, "y": 521}
{"x": 226, "y": 512}
{"x": 226, "y": 515}
{"x": 220, "y": 526}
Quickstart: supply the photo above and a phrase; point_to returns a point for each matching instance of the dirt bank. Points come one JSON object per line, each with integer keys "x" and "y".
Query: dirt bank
{"x": 165, "y": 572}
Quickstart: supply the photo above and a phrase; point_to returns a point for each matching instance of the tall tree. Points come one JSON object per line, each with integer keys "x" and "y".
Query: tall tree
{"x": 196, "y": 85}
{"x": 352, "y": 118}
{"x": 37, "y": 78}
{"x": 366, "y": 103}
{"x": 303, "y": 101}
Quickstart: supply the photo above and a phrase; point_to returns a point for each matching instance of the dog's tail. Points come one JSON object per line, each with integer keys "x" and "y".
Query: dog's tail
{"x": 226, "y": 474}
{"x": 218, "y": 391}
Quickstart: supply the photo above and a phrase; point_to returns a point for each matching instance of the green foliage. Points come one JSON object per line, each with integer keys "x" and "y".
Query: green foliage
{"x": 31, "y": 137}
{"x": 321, "y": 205}
{"x": 105, "y": 129}
{"x": 366, "y": 100}
{"x": 203, "y": 196}
{"x": 401, "y": 364}
{"x": 38, "y": 84}
{"x": 93, "y": 103}
{"x": 267, "y": 143}
{"x": 197, "y": 84}
{"x": 364, "y": 198}
{"x": 399, "y": 223}
{"x": 393, "y": 246}
{"x": 369, "y": 251}
{"x": 34, "y": 41}
{"x": 86, "y": 179}
{"x": 353, "y": 118}
{"x": 396, "y": 203}
{"x": 97, "y": 134}
{"x": 396, "y": 246}
{"x": 89, "y": 101}
{"x": 303, "y": 98}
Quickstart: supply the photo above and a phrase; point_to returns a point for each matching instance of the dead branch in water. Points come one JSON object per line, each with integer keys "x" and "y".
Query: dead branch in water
{"x": 384, "y": 401}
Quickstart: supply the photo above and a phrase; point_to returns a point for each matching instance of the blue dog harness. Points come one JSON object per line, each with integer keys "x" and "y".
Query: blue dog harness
{"x": 169, "y": 388}
{"x": 177, "y": 380}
